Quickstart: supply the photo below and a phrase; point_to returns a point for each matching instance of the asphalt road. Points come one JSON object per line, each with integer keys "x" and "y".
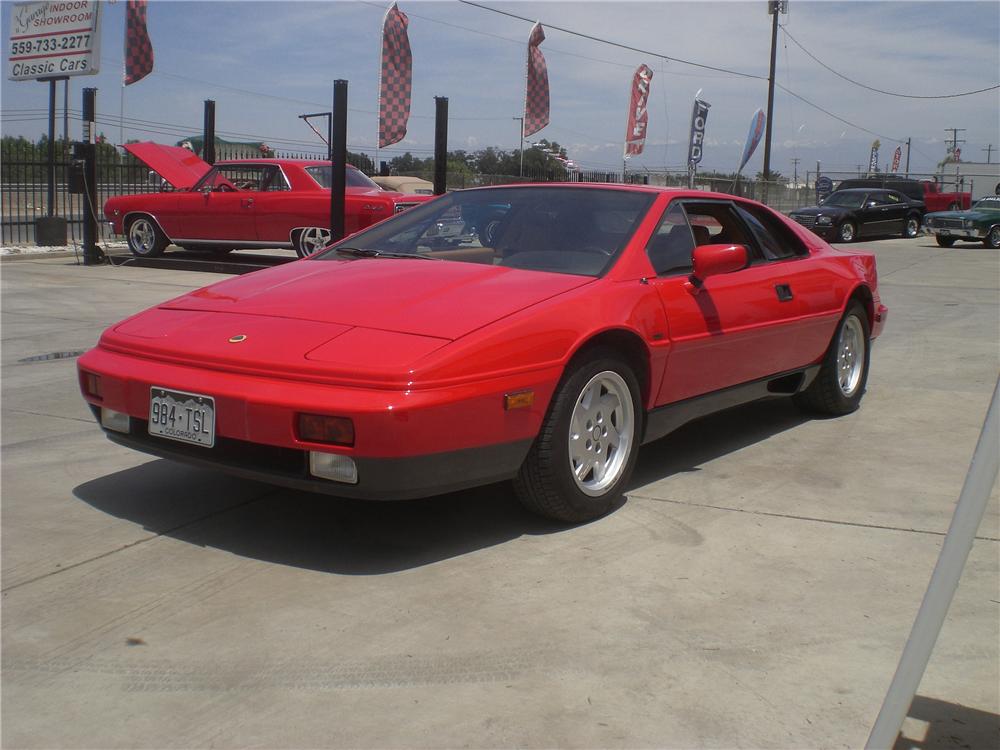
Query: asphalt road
{"x": 755, "y": 590}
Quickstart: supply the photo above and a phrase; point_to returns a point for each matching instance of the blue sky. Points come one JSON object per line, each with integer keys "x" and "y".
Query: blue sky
{"x": 265, "y": 63}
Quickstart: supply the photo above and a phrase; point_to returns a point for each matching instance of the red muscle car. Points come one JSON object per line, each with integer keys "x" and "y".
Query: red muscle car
{"x": 245, "y": 203}
{"x": 590, "y": 320}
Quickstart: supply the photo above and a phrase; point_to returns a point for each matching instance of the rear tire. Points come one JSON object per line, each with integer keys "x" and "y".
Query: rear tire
{"x": 586, "y": 450}
{"x": 944, "y": 241}
{"x": 843, "y": 374}
{"x": 912, "y": 226}
{"x": 145, "y": 238}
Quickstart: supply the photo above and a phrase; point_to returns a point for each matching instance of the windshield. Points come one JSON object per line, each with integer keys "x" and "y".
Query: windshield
{"x": 355, "y": 178}
{"x": 557, "y": 229}
{"x": 845, "y": 199}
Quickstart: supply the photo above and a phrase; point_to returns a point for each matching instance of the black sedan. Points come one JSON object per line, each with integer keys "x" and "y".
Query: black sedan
{"x": 862, "y": 212}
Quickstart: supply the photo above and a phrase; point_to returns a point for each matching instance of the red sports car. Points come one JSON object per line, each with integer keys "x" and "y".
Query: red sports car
{"x": 243, "y": 204}
{"x": 589, "y": 320}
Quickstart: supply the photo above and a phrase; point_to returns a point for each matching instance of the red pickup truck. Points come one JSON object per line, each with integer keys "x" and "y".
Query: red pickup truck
{"x": 927, "y": 191}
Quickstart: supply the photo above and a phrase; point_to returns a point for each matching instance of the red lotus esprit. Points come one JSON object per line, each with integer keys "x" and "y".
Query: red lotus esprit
{"x": 243, "y": 203}
{"x": 588, "y": 320}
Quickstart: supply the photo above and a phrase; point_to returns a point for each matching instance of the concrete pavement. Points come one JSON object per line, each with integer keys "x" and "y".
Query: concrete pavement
{"x": 755, "y": 590}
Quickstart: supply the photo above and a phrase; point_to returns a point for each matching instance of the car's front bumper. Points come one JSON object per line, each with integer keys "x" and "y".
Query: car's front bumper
{"x": 963, "y": 233}
{"x": 407, "y": 443}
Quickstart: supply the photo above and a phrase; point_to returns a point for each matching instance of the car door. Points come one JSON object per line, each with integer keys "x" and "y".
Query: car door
{"x": 222, "y": 206}
{"x": 737, "y": 327}
{"x": 890, "y": 211}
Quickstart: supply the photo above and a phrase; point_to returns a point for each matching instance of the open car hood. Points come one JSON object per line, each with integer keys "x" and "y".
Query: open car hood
{"x": 178, "y": 166}
{"x": 441, "y": 299}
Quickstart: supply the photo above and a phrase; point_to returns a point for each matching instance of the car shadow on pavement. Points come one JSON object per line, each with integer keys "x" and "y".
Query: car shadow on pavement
{"x": 714, "y": 436}
{"x": 948, "y": 725}
{"x": 307, "y": 530}
{"x": 355, "y": 537}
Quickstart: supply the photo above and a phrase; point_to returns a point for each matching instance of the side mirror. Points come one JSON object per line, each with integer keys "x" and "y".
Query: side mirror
{"x": 713, "y": 260}
{"x": 871, "y": 204}
{"x": 821, "y": 201}
{"x": 206, "y": 189}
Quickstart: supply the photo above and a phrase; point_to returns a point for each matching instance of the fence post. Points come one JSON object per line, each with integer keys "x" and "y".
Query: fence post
{"x": 92, "y": 254}
{"x": 338, "y": 162}
{"x": 440, "y": 144}
{"x": 208, "y": 134}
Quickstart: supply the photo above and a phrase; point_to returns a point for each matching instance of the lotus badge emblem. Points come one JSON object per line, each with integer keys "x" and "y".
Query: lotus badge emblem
{"x": 239, "y": 337}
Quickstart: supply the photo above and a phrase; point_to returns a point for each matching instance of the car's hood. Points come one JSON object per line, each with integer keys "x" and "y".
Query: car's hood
{"x": 973, "y": 214}
{"x": 817, "y": 210}
{"x": 442, "y": 299}
{"x": 178, "y": 166}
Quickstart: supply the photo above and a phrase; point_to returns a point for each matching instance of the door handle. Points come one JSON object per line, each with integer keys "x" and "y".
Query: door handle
{"x": 784, "y": 292}
{"x": 248, "y": 203}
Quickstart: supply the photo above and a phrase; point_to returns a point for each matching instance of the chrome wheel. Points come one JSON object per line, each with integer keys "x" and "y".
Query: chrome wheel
{"x": 993, "y": 238}
{"x": 601, "y": 433}
{"x": 912, "y": 227}
{"x": 142, "y": 237}
{"x": 846, "y": 232}
{"x": 850, "y": 355}
{"x": 312, "y": 240}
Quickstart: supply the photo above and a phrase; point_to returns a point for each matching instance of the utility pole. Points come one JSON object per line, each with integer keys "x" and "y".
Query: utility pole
{"x": 859, "y": 166}
{"x": 989, "y": 151}
{"x": 795, "y": 168}
{"x": 954, "y": 139}
{"x": 908, "y": 157}
{"x": 774, "y": 7}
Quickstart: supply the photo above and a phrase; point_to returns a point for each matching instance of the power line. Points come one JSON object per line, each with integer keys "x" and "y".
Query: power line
{"x": 615, "y": 44}
{"x": 880, "y": 91}
{"x": 837, "y": 117}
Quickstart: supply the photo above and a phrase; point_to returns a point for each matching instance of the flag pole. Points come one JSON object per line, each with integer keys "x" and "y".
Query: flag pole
{"x": 524, "y": 111}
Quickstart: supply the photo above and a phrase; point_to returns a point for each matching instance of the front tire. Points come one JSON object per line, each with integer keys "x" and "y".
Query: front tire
{"x": 310, "y": 240}
{"x": 846, "y": 232}
{"x": 992, "y": 239}
{"x": 586, "y": 450}
{"x": 145, "y": 238}
{"x": 843, "y": 374}
{"x": 944, "y": 241}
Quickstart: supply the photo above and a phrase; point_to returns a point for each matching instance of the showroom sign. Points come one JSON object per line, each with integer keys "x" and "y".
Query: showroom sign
{"x": 53, "y": 40}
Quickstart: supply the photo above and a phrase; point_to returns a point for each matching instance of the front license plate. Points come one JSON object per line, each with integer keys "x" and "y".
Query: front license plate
{"x": 187, "y": 417}
{"x": 944, "y": 232}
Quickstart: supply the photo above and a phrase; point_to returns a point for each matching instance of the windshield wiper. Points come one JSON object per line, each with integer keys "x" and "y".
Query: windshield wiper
{"x": 369, "y": 252}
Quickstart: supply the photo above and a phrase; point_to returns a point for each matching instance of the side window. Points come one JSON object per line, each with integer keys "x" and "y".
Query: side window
{"x": 883, "y": 198}
{"x": 275, "y": 180}
{"x": 241, "y": 177}
{"x": 671, "y": 246}
{"x": 775, "y": 240}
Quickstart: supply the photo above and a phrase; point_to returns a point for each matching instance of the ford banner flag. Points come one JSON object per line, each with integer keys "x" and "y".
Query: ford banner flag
{"x": 873, "y": 161}
{"x": 698, "y": 117}
{"x": 754, "y": 135}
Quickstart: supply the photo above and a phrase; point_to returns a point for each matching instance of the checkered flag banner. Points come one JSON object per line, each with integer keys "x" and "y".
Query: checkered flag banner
{"x": 138, "y": 48}
{"x": 536, "y": 93}
{"x": 395, "y": 80}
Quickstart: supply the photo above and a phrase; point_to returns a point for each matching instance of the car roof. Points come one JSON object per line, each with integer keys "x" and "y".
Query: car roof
{"x": 282, "y": 162}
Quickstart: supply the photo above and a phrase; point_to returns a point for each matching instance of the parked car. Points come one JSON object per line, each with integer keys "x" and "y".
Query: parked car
{"x": 408, "y": 185}
{"x": 600, "y": 318}
{"x": 980, "y": 224}
{"x": 243, "y": 203}
{"x": 849, "y": 214}
{"x": 927, "y": 192}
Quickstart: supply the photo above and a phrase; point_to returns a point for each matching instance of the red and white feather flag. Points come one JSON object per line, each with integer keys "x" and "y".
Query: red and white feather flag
{"x": 395, "y": 79}
{"x": 638, "y": 112}
{"x": 138, "y": 48}
{"x": 536, "y": 93}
